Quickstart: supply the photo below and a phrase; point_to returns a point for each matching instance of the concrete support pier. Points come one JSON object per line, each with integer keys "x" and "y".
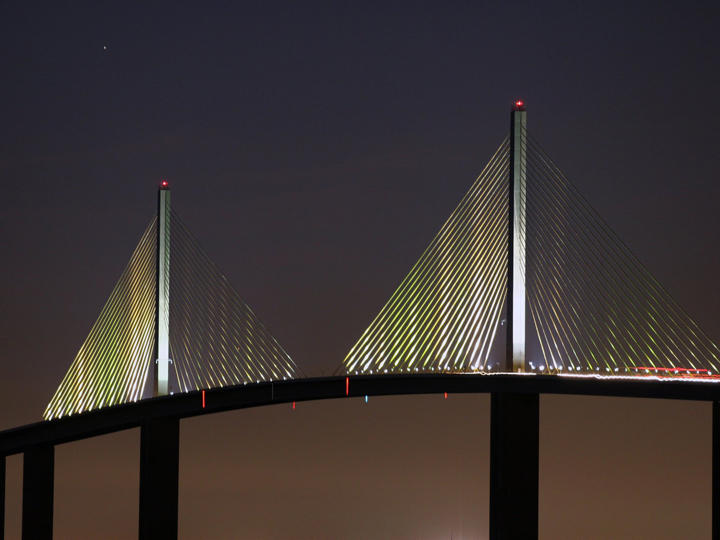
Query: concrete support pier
{"x": 2, "y": 497}
{"x": 38, "y": 487}
{"x": 159, "y": 459}
{"x": 716, "y": 470}
{"x": 514, "y": 463}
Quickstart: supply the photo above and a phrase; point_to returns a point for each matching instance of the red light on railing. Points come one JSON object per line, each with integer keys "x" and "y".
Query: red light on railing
{"x": 203, "y": 399}
{"x": 678, "y": 369}
{"x": 347, "y": 386}
{"x": 676, "y": 372}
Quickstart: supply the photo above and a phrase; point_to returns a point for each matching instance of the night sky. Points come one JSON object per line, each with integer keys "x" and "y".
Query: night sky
{"x": 314, "y": 149}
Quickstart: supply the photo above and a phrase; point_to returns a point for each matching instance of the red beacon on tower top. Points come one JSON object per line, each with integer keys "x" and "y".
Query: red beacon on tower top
{"x": 519, "y": 105}
{"x": 164, "y": 184}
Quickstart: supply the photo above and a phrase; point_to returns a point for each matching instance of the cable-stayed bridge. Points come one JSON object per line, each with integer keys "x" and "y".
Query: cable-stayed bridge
{"x": 524, "y": 290}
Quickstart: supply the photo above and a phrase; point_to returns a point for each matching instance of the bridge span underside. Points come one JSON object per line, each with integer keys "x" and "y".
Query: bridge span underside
{"x": 514, "y": 433}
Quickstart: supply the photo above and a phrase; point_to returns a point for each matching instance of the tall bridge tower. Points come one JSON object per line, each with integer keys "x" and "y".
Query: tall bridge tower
{"x": 162, "y": 305}
{"x": 515, "y": 357}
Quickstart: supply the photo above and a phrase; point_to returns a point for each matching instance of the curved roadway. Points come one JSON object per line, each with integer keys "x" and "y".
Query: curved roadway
{"x": 130, "y": 415}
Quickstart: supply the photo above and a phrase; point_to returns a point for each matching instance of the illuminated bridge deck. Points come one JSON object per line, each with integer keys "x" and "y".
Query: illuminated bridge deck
{"x": 130, "y": 415}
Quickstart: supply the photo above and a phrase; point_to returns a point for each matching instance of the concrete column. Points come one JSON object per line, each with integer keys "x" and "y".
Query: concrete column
{"x": 159, "y": 459}
{"x": 38, "y": 487}
{"x": 2, "y": 497}
{"x": 514, "y": 464}
{"x": 162, "y": 305}
{"x": 515, "y": 356}
{"x": 716, "y": 470}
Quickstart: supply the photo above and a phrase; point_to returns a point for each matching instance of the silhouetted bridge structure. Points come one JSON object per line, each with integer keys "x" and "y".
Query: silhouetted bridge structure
{"x": 522, "y": 237}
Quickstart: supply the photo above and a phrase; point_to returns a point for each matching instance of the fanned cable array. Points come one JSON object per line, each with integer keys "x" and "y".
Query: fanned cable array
{"x": 215, "y": 338}
{"x": 111, "y": 367}
{"x": 446, "y": 312}
{"x": 595, "y": 307}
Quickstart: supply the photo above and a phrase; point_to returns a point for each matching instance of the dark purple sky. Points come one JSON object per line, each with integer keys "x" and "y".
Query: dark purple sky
{"x": 314, "y": 149}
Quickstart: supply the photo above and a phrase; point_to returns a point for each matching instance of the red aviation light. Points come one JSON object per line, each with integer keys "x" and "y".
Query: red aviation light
{"x": 519, "y": 105}
{"x": 164, "y": 184}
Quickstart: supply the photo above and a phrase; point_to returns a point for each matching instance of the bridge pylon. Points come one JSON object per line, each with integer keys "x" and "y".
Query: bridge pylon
{"x": 162, "y": 305}
{"x": 517, "y": 188}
